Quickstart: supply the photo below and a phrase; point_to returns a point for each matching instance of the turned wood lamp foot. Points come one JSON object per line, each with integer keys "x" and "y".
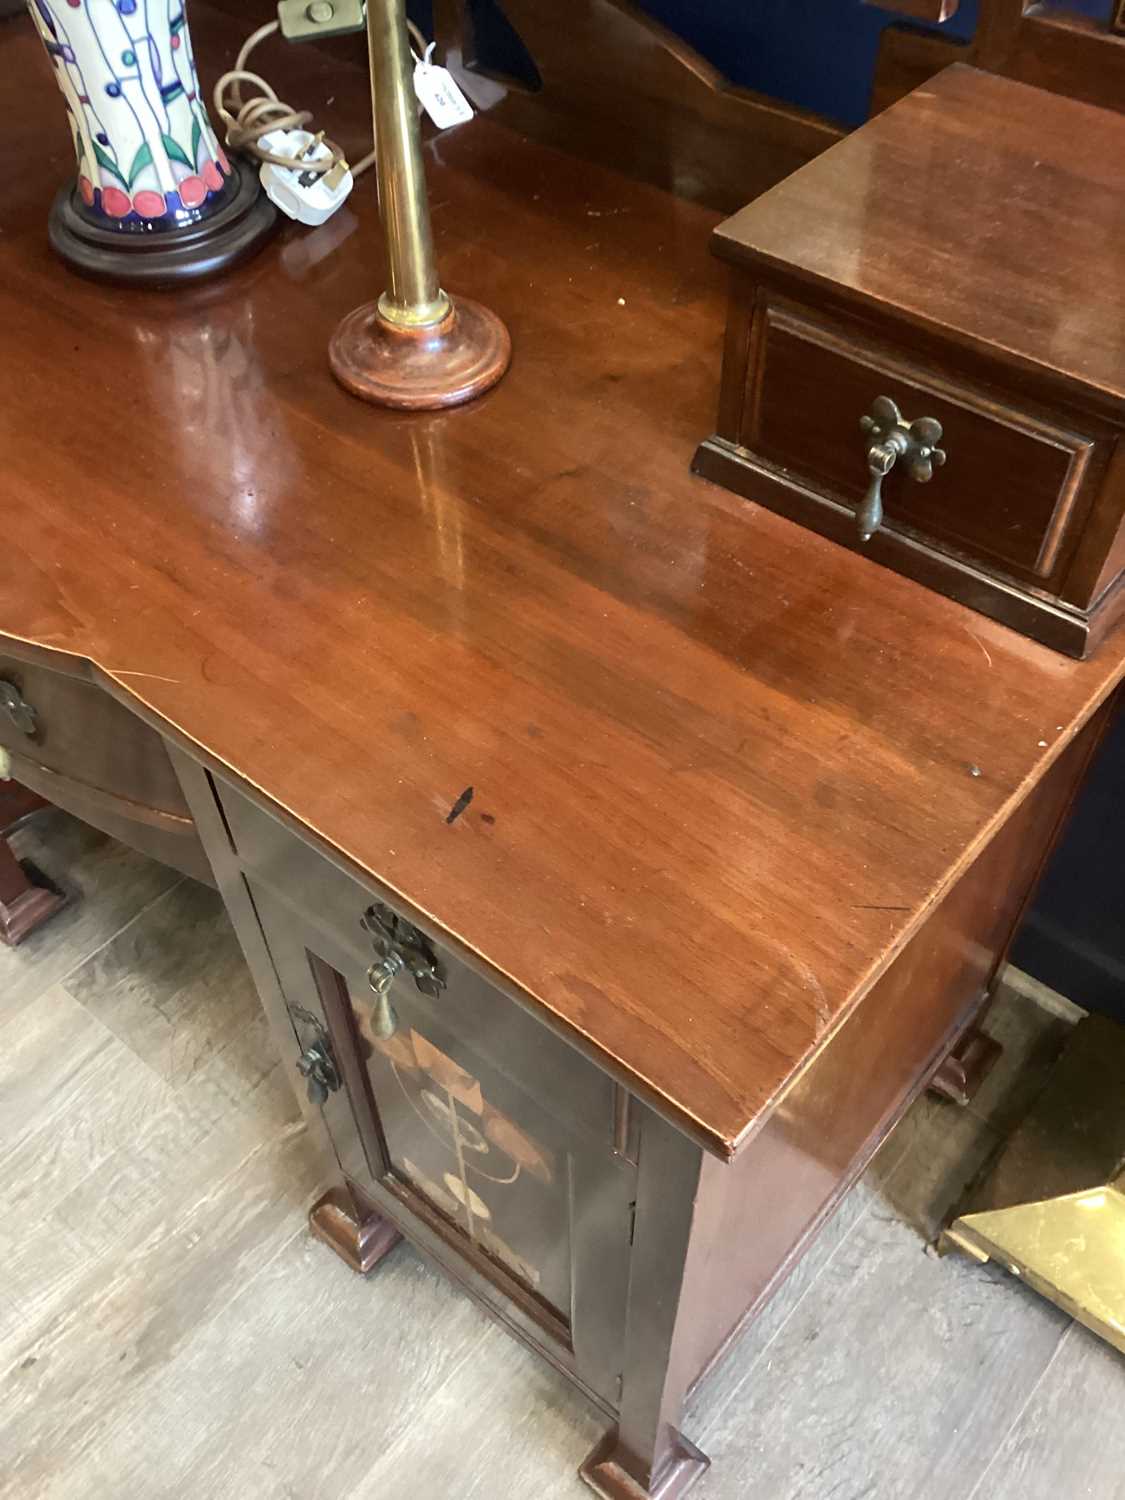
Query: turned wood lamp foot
{"x": 611, "y": 1472}
{"x": 416, "y": 348}
{"x": 360, "y": 1243}
{"x": 423, "y": 368}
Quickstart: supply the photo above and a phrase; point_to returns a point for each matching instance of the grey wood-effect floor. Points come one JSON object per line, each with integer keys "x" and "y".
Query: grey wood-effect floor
{"x": 168, "y": 1328}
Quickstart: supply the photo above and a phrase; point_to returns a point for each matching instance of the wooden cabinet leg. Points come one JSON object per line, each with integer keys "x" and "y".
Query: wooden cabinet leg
{"x": 609, "y": 1470}
{"x": 961, "y": 1074}
{"x": 361, "y": 1242}
{"x": 24, "y": 904}
{"x": 646, "y": 1457}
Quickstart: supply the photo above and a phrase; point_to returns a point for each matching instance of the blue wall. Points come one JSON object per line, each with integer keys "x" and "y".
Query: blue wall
{"x": 819, "y": 54}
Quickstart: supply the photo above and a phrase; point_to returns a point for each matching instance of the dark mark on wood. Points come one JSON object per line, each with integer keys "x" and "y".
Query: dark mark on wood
{"x": 460, "y": 805}
{"x": 488, "y": 818}
{"x": 880, "y": 908}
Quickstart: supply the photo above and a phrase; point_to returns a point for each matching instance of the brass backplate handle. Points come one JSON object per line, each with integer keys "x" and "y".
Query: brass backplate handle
{"x": 19, "y": 711}
{"x": 890, "y": 440}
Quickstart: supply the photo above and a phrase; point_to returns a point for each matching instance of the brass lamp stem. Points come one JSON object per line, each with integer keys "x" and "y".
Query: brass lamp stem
{"x": 415, "y": 348}
{"x": 414, "y": 298}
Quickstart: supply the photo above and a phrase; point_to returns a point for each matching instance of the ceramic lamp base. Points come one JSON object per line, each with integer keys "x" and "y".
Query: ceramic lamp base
{"x": 420, "y": 369}
{"x": 170, "y": 257}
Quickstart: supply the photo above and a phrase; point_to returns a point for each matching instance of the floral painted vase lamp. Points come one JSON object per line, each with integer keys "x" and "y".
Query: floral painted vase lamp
{"x": 156, "y": 200}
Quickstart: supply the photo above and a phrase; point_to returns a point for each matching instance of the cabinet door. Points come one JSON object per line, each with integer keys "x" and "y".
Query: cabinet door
{"x": 475, "y": 1121}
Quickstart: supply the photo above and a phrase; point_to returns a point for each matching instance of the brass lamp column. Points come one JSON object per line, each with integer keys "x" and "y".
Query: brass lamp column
{"x": 415, "y": 347}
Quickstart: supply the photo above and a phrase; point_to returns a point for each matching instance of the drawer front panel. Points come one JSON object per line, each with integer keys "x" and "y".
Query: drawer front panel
{"x": 451, "y": 1120}
{"x": 1014, "y": 487}
{"x": 568, "y": 1086}
{"x": 76, "y": 730}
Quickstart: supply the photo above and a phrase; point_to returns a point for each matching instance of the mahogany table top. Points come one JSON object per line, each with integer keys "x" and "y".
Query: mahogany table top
{"x": 721, "y": 768}
{"x": 984, "y": 210}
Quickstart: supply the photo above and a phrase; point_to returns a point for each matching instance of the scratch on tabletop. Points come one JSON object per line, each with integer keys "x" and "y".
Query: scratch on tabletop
{"x": 152, "y": 676}
{"x": 979, "y": 642}
{"x": 460, "y": 805}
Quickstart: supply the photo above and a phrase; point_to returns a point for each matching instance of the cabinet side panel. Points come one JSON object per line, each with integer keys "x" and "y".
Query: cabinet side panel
{"x": 823, "y": 1133}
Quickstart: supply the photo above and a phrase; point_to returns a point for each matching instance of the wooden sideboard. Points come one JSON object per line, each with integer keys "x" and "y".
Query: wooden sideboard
{"x": 686, "y": 842}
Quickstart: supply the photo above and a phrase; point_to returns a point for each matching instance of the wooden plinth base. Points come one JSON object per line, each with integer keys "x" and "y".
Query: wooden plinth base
{"x": 361, "y": 1245}
{"x": 425, "y": 368}
{"x": 605, "y": 1472}
{"x": 169, "y": 257}
{"x": 26, "y": 898}
{"x": 961, "y": 1074}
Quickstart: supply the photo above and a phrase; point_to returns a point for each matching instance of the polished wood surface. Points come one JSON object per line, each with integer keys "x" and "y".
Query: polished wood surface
{"x": 359, "y": 1241}
{"x": 722, "y": 769}
{"x": 998, "y": 174}
{"x": 1054, "y": 47}
{"x": 808, "y": 1153}
{"x": 907, "y": 57}
{"x": 1015, "y": 482}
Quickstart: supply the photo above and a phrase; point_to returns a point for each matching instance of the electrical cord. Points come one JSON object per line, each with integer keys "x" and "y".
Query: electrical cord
{"x": 248, "y": 120}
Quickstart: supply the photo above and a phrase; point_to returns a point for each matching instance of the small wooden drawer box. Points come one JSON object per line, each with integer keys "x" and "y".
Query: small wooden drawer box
{"x": 925, "y": 354}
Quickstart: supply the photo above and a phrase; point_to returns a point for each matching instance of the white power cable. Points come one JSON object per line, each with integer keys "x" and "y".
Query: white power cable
{"x": 247, "y": 120}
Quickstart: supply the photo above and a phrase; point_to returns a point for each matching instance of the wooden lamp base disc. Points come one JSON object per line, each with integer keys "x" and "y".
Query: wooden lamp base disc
{"x": 420, "y": 369}
{"x": 171, "y": 257}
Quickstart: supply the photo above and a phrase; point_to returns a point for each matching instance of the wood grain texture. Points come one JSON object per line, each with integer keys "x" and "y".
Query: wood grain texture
{"x": 72, "y": 1124}
{"x": 907, "y": 58}
{"x": 172, "y": 985}
{"x": 264, "y": 1386}
{"x": 85, "y": 752}
{"x": 866, "y": 1385}
{"x": 985, "y": 259}
{"x": 1062, "y": 1442}
{"x": 1053, "y": 47}
{"x": 526, "y": 1427}
{"x": 108, "y": 886}
{"x": 292, "y": 1391}
{"x": 134, "y": 1310}
{"x": 688, "y": 724}
{"x": 761, "y": 1212}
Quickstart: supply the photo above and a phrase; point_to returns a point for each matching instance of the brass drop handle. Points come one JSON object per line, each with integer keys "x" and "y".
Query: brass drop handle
{"x": 400, "y": 949}
{"x": 14, "y": 704}
{"x": 380, "y": 976}
{"x": 317, "y": 1067}
{"x": 891, "y": 438}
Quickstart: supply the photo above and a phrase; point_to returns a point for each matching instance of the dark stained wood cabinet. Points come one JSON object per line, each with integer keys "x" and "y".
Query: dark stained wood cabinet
{"x": 702, "y": 838}
{"x": 591, "y": 1226}
{"x": 470, "y": 1117}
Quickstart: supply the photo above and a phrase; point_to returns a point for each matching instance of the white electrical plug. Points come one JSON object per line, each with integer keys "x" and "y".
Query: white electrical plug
{"x": 308, "y": 197}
